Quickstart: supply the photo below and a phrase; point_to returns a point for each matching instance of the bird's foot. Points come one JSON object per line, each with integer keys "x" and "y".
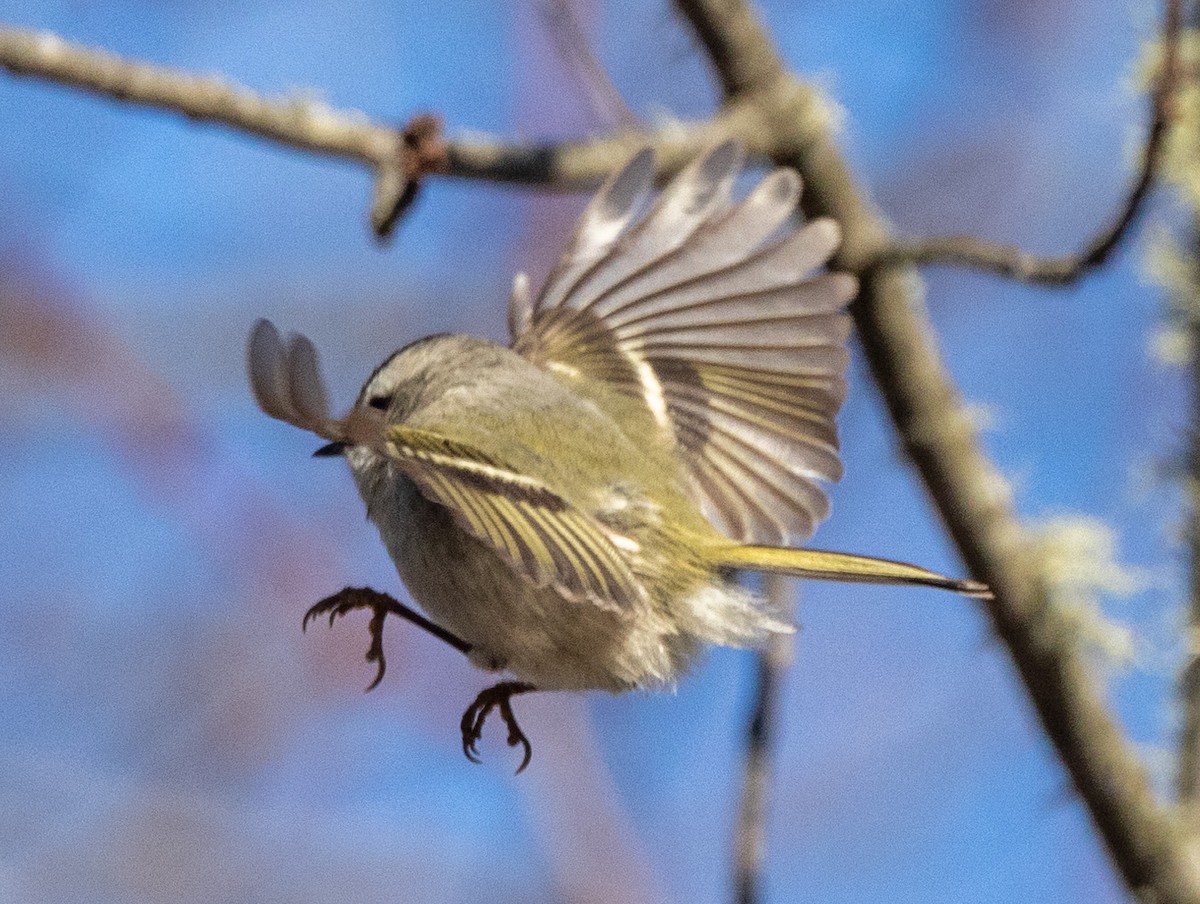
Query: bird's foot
{"x": 347, "y": 600}
{"x": 499, "y": 696}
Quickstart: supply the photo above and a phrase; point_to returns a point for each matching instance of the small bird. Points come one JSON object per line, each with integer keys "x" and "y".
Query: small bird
{"x": 573, "y": 509}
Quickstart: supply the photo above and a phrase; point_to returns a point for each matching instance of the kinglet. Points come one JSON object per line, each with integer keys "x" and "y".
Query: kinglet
{"x": 573, "y": 509}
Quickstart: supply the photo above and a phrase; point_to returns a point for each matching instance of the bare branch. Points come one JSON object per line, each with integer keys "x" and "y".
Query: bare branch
{"x": 1189, "y": 681}
{"x": 299, "y": 122}
{"x": 1012, "y": 262}
{"x": 749, "y": 844}
{"x": 1143, "y": 839}
{"x": 1187, "y": 291}
{"x": 744, "y": 58}
{"x": 398, "y": 179}
{"x": 582, "y": 164}
{"x": 399, "y": 157}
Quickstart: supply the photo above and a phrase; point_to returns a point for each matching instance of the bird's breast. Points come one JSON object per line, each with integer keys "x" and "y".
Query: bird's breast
{"x": 534, "y": 632}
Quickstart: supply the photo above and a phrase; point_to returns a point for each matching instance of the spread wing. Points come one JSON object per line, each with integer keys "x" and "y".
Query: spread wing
{"x": 537, "y": 532}
{"x": 711, "y": 313}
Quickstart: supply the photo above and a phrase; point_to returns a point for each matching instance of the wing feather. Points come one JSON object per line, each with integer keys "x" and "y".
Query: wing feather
{"x": 286, "y": 379}
{"x": 535, "y": 530}
{"x": 787, "y": 264}
{"x": 700, "y": 192}
{"x": 715, "y": 315}
{"x": 721, "y": 242}
{"x": 599, "y": 228}
{"x": 305, "y": 385}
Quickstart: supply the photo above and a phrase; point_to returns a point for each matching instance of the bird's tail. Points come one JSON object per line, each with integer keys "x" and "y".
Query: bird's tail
{"x": 835, "y": 566}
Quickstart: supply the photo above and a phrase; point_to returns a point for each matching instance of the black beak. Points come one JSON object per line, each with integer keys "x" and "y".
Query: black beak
{"x": 330, "y": 450}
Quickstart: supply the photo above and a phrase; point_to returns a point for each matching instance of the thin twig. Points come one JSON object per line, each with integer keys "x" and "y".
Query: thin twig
{"x": 1189, "y": 684}
{"x": 1188, "y": 779}
{"x": 399, "y": 156}
{"x": 1014, "y": 263}
{"x": 750, "y": 838}
{"x": 569, "y": 36}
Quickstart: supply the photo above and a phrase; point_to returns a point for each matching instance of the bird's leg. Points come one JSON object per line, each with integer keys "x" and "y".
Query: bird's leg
{"x": 380, "y": 604}
{"x": 500, "y": 696}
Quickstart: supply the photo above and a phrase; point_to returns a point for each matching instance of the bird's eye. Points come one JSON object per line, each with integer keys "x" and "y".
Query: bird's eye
{"x": 381, "y": 402}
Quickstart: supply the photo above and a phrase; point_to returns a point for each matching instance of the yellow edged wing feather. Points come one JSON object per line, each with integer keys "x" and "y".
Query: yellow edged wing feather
{"x": 534, "y": 529}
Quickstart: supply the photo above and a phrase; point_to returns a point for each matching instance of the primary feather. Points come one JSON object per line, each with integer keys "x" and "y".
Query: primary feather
{"x": 734, "y": 344}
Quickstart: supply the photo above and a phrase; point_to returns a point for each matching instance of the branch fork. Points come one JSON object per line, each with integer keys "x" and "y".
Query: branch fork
{"x": 420, "y": 150}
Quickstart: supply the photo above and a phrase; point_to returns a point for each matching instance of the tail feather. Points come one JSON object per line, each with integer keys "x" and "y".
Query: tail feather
{"x": 836, "y": 566}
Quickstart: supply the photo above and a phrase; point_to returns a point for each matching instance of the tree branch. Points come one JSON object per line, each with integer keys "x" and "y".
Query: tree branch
{"x": 1144, "y": 840}
{"x": 744, "y": 58}
{"x": 1010, "y": 261}
{"x": 750, "y": 838}
{"x": 583, "y": 164}
{"x": 299, "y": 121}
{"x": 1184, "y": 302}
{"x": 1187, "y": 312}
{"x": 1189, "y": 684}
{"x": 399, "y": 156}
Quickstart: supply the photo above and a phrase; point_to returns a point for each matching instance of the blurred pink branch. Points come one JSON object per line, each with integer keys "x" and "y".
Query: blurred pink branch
{"x": 62, "y": 355}
{"x": 565, "y": 28}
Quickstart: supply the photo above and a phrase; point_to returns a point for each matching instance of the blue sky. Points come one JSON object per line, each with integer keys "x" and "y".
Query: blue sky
{"x": 167, "y": 732}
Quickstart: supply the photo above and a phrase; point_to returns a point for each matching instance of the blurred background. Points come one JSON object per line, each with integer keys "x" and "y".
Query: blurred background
{"x": 167, "y": 733}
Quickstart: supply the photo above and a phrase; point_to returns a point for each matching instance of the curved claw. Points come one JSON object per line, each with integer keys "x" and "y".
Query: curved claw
{"x": 334, "y": 606}
{"x": 471, "y": 728}
{"x": 516, "y": 736}
{"x": 499, "y": 696}
{"x": 378, "y": 677}
{"x": 346, "y": 601}
{"x": 470, "y": 752}
{"x": 375, "y": 650}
